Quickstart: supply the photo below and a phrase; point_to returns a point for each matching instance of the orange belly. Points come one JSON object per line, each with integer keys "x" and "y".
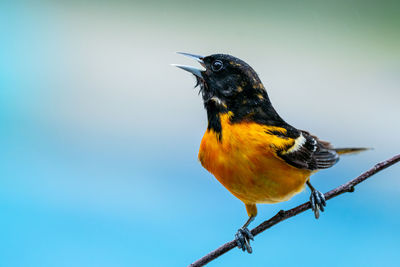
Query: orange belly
{"x": 245, "y": 162}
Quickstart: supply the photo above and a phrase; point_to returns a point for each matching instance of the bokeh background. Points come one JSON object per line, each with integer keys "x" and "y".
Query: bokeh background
{"x": 99, "y": 134}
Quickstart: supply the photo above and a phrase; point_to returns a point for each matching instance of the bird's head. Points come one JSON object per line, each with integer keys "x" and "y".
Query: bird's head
{"x": 226, "y": 82}
{"x": 230, "y": 85}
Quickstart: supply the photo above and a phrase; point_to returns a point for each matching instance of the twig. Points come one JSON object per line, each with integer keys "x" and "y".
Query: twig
{"x": 283, "y": 215}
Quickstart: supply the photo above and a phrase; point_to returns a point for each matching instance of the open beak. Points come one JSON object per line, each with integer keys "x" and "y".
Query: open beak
{"x": 195, "y": 71}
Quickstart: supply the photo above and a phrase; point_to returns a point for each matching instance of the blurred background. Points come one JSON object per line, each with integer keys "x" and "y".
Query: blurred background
{"x": 99, "y": 134}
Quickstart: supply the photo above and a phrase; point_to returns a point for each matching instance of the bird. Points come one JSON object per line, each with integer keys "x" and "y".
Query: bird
{"x": 254, "y": 153}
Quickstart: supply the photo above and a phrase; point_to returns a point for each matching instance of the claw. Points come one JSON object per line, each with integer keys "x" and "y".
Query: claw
{"x": 312, "y": 202}
{"x": 243, "y": 237}
{"x": 316, "y": 213}
{"x": 239, "y": 240}
{"x": 323, "y": 199}
{"x": 248, "y": 247}
{"x": 318, "y": 202}
{"x": 321, "y": 208}
{"x": 248, "y": 233}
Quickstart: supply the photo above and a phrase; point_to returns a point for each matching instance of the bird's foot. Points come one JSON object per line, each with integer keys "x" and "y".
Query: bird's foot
{"x": 318, "y": 202}
{"x": 243, "y": 237}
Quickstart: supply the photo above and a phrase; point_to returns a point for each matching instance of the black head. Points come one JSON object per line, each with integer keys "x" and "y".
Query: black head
{"x": 229, "y": 84}
{"x": 227, "y": 81}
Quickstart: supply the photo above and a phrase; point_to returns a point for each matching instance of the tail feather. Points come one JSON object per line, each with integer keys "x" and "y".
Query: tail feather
{"x": 351, "y": 150}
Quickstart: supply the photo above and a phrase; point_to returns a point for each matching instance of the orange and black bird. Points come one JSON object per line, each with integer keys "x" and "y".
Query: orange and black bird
{"x": 248, "y": 147}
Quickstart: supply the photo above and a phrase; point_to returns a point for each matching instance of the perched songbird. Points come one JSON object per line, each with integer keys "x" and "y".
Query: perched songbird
{"x": 248, "y": 147}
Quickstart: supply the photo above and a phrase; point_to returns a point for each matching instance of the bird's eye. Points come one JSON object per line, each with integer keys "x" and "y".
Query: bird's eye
{"x": 217, "y": 65}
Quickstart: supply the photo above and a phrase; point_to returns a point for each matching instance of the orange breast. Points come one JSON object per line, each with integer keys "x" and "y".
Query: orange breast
{"x": 245, "y": 162}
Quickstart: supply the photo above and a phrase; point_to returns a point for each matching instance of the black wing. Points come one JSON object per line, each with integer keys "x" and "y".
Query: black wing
{"x": 308, "y": 152}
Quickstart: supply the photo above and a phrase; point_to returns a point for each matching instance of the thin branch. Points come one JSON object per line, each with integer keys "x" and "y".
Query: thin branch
{"x": 283, "y": 215}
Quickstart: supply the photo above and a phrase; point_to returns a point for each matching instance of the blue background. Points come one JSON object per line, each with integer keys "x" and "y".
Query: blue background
{"x": 99, "y": 135}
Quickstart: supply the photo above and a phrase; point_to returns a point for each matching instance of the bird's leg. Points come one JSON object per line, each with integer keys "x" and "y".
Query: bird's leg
{"x": 243, "y": 236}
{"x": 317, "y": 200}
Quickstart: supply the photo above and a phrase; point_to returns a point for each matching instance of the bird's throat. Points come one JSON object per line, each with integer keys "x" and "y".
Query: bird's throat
{"x": 214, "y": 113}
